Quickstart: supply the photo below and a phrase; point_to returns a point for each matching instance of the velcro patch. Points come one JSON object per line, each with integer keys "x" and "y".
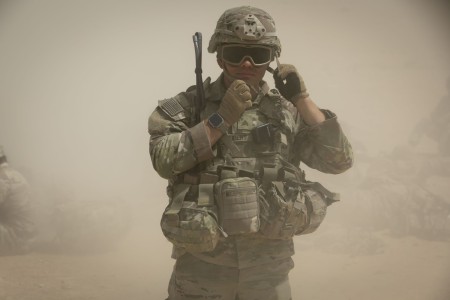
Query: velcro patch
{"x": 172, "y": 108}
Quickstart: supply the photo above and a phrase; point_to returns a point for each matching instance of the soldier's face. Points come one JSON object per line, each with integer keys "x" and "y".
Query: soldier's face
{"x": 245, "y": 71}
{"x": 248, "y": 63}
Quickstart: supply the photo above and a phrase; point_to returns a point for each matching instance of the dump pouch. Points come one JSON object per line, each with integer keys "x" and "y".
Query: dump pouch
{"x": 237, "y": 203}
{"x": 317, "y": 205}
{"x": 190, "y": 225}
{"x": 283, "y": 212}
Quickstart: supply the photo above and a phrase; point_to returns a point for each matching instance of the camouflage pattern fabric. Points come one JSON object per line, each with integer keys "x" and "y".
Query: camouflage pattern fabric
{"x": 16, "y": 227}
{"x": 323, "y": 147}
{"x": 231, "y": 29}
{"x": 195, "y": 279}
{"x": 196, "y": 229}
{"x": 242, "y": 266}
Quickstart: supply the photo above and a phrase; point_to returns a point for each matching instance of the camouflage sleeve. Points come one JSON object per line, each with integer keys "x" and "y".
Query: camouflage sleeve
{"x": 174, "y": 147}
{"x": 324, "y": 147}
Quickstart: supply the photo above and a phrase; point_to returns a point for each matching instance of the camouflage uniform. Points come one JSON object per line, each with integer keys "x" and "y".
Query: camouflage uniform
{"x": 241, "y": 266}
{"x": 16, "y": 226}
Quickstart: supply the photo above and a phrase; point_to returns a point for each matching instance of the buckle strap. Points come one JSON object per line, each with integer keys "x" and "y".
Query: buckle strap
{"x": 179, "y": 192}
{"x": 195, "y": 179}
{"x": 330, "y": 197}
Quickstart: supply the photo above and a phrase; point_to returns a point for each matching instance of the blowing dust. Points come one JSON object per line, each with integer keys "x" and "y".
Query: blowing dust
{"x": 78, "y": 80}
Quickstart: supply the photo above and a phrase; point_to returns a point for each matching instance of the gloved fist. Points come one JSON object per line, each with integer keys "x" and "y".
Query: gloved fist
{"x": 237, "y": 98}
{"x": 294, "y": 85}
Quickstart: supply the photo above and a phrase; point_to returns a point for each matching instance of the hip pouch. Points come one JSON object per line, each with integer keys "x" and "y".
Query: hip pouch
{"x": 317, "y": 204}
{"x": 317, "y": 200}
{"x": 237, "y": 203}
{"x": 283, "y": 212}
{"x": 188, "y": 225}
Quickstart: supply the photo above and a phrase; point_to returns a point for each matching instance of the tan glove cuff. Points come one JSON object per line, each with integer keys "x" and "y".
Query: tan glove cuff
{"x": 303, "y": 91}
{"x": 228, "y": 115}
{"x": 302, "y": 95}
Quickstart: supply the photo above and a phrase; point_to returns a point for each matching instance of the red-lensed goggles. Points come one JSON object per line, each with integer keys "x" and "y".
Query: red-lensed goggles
{"x": 235, "y": 54}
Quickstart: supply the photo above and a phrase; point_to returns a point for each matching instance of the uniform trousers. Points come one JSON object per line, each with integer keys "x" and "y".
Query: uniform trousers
{"x": 193, "y": 278}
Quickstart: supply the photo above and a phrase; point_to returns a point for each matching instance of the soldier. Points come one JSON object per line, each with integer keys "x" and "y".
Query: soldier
{"x": 16, "y": 226}
{"x": 237, "y": 196}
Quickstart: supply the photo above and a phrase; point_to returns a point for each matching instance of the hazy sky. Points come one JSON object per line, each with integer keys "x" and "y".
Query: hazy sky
{"x": 78, "y": 79}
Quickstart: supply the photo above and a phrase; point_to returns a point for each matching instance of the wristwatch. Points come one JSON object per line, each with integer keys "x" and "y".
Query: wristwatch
{"x": 216, "y": 121}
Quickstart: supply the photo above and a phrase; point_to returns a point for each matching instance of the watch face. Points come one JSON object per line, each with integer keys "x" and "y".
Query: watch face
{"x": 215, "y": 120}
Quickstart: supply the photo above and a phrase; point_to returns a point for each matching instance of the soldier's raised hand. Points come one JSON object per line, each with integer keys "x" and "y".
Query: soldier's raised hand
{"x": 237, "y": 98}
{"x": 294, "y": 85}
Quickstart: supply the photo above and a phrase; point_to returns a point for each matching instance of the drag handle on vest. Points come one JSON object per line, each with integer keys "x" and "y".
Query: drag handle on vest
{"x": 200, "y": 99}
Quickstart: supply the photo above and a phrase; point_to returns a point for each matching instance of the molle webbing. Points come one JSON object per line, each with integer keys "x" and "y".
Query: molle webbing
{"x": 264, "y": 170}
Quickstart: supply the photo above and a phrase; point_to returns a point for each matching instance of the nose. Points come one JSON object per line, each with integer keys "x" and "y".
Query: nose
{"x": 246, "y": 62}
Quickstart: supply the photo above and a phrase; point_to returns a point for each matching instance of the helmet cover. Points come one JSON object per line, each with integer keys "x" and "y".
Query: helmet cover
{"x": 245, "y": 25}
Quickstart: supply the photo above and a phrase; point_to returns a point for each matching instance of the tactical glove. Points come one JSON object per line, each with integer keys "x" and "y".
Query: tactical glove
{"x": 294, "y": 85}
{"x": 237, "y": 98}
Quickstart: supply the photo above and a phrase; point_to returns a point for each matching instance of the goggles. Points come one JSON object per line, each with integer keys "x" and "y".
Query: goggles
{"x": 235, "y": 54}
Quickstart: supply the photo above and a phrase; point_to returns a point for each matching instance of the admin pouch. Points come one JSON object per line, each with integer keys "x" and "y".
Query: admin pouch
{"x": 238, "y": 206}
{"x": 191, "y": 225}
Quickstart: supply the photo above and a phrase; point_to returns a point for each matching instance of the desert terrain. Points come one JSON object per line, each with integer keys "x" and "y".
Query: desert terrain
{"x": 79, "y": 79}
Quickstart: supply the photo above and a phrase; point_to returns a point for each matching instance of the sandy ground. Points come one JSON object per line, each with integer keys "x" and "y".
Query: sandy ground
{"x": 330, "y": 264}
{"x": 80, "y": 78}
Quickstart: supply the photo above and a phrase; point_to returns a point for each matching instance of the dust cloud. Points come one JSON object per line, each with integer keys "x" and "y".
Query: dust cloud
{"x": 78, "y": 80}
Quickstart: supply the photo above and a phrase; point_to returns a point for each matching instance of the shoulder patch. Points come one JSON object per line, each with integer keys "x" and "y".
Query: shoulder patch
{"x": 172, "y": 108}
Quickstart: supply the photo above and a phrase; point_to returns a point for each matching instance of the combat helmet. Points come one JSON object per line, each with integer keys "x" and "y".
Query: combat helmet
{"x": 245, "y": 25}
